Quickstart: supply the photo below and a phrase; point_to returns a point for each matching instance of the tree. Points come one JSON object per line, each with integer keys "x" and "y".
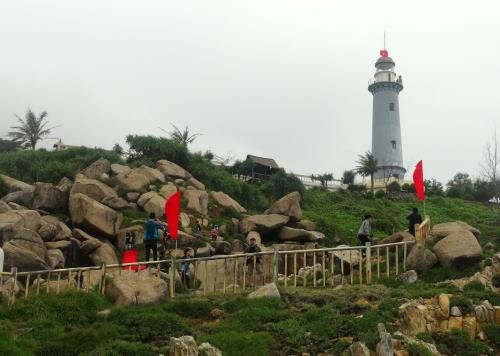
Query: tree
{"x": 433, "y": 187}
{"x": 348, "y": 177}
{"x": 490, "y": 169}
{"x": 117, "y": 149}
{"x": 8, "y": 145}
{"x": 367, "y": 166}
{"x": 31, "y": 129}
{"x": 323, "y": 178}
{"x": 183, "y": 137}
{"x": 460, "y": 187}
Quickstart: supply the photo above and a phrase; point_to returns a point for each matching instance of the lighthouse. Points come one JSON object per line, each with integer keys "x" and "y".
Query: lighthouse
{"x": 386, "y": 129}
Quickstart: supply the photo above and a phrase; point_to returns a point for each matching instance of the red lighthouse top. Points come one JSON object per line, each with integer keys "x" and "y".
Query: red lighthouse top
{"x": 384, "y": 53}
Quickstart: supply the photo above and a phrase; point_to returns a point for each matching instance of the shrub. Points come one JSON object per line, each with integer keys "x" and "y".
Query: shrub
{"x": 149, "y": 149}
{"x": 463, "y": 303}
{"x": 393, "y": 187}
{"x": 415, "y": 349}
{"x": 474, "y": 286}
{"x": 379, "y": 194}
{"x": 3, "y": 188}
{"x": 496, "y": 281}
{"x": 236, "y": 343}
{"x": 492, "y": 332}
{"x": 458, "y": 342}
{"x": 282, "y": 183}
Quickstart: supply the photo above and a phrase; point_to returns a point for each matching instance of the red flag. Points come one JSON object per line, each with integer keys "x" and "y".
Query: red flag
{"x": 384, "y": 53}
{"x": 418, "y": 181}
{"x": 172, "y": 212}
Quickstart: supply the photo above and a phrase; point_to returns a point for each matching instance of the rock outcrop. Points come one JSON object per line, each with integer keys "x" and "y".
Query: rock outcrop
{"x": 50, "y": 198}
{"x": 440, "y": 231}
{"x": 93, "y": 216}
{"x": 152, "y": 202}
{"x": 197, "y": 200}
{"x": 288, "y": 205}
{"x": 98, "y": 169}
{"x": 172, "y": 170}
{"x": 269, "y": 290}
{"x": 290, "y": 234}
{"x": 459, "y": 248}
{"x": 226, "y": 201}
{"x": 266, "y": 222}
{"x": 135, "y": 289}
{"x": 420, "y": 259}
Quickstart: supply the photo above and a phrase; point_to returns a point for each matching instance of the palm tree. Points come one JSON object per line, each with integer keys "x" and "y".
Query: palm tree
{"x": 367, "y": 166}
{"x": 183, "y": 137}
{"x": 31, "y": 129}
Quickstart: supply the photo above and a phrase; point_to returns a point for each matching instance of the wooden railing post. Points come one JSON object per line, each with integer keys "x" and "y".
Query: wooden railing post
{"x": 368, "y": 262}
{"x": 103, "y": 278}
{"x": 172, "y": 277}
{"x": 12, "y": 294}
{"x": 275, "y": 265}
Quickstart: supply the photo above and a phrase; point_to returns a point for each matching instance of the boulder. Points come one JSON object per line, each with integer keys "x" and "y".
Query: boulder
{"x": 88, "y": 244}
{"x": 31, "y": 241}
{"x": 137, "y": 230}
{"x": 398, "y": 236}
{"x": 93, "y": 189}
{"x": 184, "y": 220}
{"x": 290, "y": 234}
{"x": 197, "y": 201}
{"x": 304, "y": 224}
{"x": 195, "y": 183}
{"x": 408, "y": 277}
{"x": 206, "y": 251}
{"x": 205, "y": 349}
{"x": 266, "y": 222}
{"x": 413, "y": 318}
{"x": 50, "y": 198}
{"x": 420, "y": 259}
{"x": 346, "y": 257}
{"x": 22, "y": 197}
{"x": 12, "y": 221}
{"x": 226, "y": 201}
{"x": 119, "y": 169}
{"x": 238, "y": 246}
{"x": 152, "y": 174}
{"x": 460, "y": 248}
{"x": 55, "y": 259}
{"x": 168, "y": 190}
{"x": 132, "y": 196}
{"x": 444, "y": 305}
{"x": 65, "y": 184}
{"x": 245, "y": 226}
{"x": 132, "y": 180}
{"x": 152, "y": 202}
{"x": 440, "y": 231}
{"x": 116, "y": 203}
{"x": 183, "y": 346}
{"x": 4, "y": 207}
{"x": 104, "y": 254}
{"x": 172, "y": 170}
{"x": 359, "y": 349}
{"x": 222, "y": 247}
{"x": 266, "y": 291}
{"x": 137, "y": 288}
{"x": 93, "y": 216}
{"x": 71, "y": 251}
{"x": 289, "y": 205}
{"x": 184, "y": 239}
{"x": 23, "y": 259}
{"x": 15, "y": 185}
{"x": 98, "y": 169}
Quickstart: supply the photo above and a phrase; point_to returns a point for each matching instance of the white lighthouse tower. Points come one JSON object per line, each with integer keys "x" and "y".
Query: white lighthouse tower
{"x": 386, "y": 129}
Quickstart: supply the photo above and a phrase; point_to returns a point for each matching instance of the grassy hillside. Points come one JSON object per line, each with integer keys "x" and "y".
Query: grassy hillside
{"x": 312, "y": 321}
{"x": 340, "y": 214}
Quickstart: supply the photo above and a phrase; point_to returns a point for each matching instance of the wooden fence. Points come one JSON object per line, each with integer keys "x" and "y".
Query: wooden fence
{"x": 422, "y": 231}
{"x": 227, "y": 274}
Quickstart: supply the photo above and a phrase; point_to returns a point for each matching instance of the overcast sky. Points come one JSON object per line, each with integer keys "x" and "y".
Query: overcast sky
{"x": 282, "y": 79}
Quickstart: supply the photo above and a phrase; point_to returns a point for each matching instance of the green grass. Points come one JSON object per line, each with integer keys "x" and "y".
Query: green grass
{"x": 340, "y": 214}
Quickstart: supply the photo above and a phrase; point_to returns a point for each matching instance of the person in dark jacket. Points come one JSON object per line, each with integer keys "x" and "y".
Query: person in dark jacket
{"x": 413, "y": 219}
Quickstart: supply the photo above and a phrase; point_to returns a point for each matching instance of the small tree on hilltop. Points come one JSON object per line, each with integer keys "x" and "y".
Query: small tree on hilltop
{"x": 183, "y": 137}
{"x": 31, "y": 130}
{"x": 348, "y": 177}
{"x": 367, "y": 166}
{"x": 323, "y": 178}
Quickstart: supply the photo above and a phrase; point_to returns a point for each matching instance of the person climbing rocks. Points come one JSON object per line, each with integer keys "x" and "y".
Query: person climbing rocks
{"x": 151, "y": 234}
{"x": 129, "y": 240}
{"x": 214, "y": 233}
{"x": 413, "y": 219}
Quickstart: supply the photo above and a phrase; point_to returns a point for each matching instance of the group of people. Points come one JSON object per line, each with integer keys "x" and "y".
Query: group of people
{"x": 365, "y": 230}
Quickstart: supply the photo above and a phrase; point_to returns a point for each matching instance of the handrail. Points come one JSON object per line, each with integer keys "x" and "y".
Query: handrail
{"x": 243, "y": 270}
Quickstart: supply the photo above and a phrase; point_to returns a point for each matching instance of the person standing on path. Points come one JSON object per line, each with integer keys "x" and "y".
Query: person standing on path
{"x": 2, "y": 255}
{"x": 151, "y": 234}
{"x": 413, "y": 219}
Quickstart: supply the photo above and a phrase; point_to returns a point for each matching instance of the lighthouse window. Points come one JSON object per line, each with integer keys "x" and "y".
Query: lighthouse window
{"x": 391, "y": 106}
{"x": 393, "y": 143}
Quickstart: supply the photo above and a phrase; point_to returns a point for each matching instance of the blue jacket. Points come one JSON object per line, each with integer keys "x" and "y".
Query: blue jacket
{"x": 151, "y": 230}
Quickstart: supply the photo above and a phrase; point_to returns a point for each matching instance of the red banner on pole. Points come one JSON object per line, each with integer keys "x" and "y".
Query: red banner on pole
{"x": 172, "y": 212}
{"x": 418, "y": 180}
